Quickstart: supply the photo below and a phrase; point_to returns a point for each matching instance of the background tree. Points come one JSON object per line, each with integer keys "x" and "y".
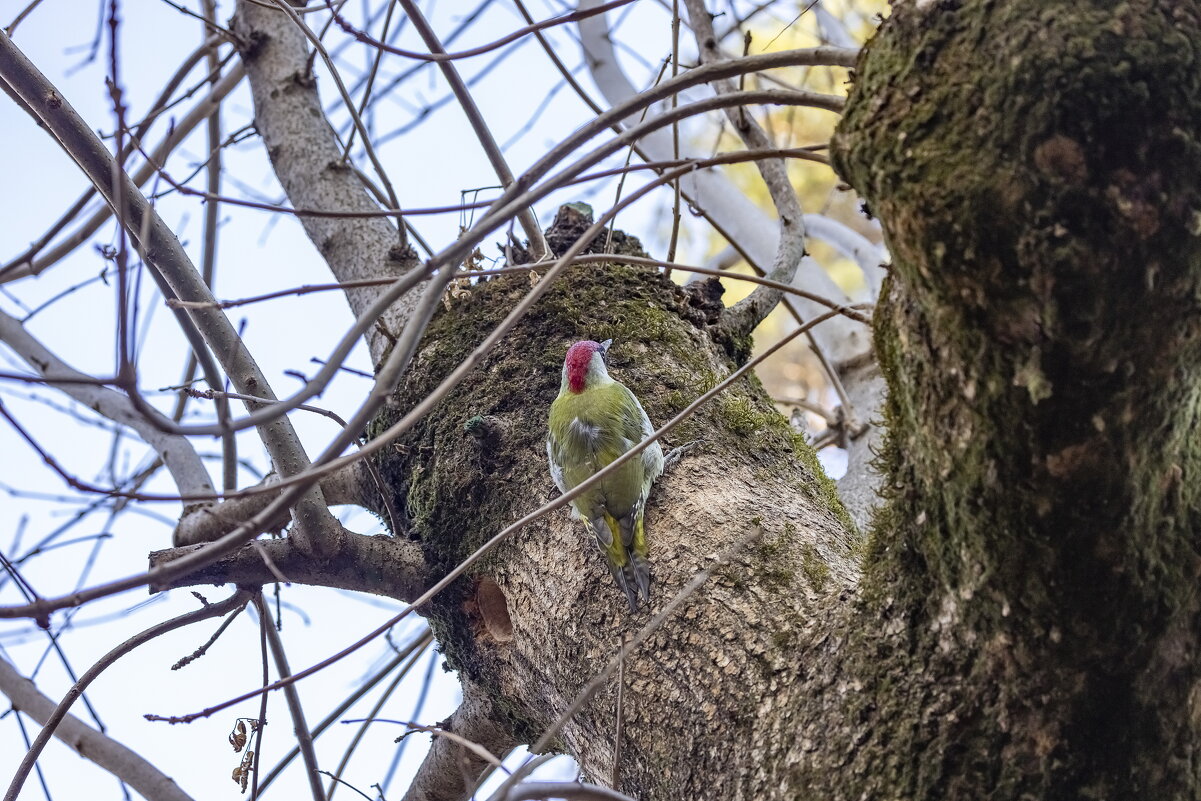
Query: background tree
{"x": 1017, "y": 621}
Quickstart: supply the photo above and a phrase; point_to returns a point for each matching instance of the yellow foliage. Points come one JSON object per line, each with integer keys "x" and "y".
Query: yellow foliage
{"x": 796, "y": 373}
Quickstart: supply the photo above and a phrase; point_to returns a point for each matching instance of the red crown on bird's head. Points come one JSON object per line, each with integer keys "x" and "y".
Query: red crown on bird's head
{"x": 579, "y": 356}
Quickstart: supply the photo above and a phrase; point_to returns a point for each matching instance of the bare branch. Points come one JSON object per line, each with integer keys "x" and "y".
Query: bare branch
{"x": 476, "y": 51}
{"x": 31, "y": 263}
{"x": 730, "y": 211}
{"x": 380, "y": 565}
{"x": 177, "y": 277}
{"x": 373, "y": 715}
{"x": 450, "y": 769}
{"x": 99, "y": 748}
{"x": 790, "y": 243}
{"x": 533, "y": 234}
{"x": 307, "y": 159}
{"x": 178, "y": 455}
{"x": 413, "y": 649}
{"x": 208, "y": 258}
{"x": 210, "y": 522}
{"x": 304, "y": 737}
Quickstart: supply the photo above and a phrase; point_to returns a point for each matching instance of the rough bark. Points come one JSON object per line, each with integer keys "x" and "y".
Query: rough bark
{"x": 537, "y": 619}
{"x": 1022, "y": 622}
{"x": 1036, "y": 167}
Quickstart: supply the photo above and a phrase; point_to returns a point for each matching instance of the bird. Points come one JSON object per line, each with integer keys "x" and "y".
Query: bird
{"x": 592, "y": 422}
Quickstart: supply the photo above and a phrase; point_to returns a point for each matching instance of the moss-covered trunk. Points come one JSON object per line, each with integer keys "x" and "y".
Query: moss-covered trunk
{"x": 1026, "y": 622}
{"x": 1037, "y": 169}
{"x": 706, "y": 678}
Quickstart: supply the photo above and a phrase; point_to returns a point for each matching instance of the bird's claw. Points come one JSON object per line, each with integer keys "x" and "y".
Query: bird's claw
{"x": 674, "y": 456}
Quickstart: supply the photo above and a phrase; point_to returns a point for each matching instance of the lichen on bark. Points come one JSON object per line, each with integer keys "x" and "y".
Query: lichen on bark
{"x": 1037, "y": 170}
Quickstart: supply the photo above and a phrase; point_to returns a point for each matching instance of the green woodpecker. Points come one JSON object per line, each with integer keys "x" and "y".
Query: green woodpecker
{"x": 593, "y": 421}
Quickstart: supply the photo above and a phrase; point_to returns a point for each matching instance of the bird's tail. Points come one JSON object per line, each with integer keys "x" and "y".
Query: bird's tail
{"x": 626, "y": 579}
{"x": 630, "y": 569}
{"x": 639, "y": 565}
{"x": 638, "y": 577}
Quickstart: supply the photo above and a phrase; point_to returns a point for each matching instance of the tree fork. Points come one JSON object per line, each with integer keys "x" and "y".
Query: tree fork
{"x": 1038, "y": 173}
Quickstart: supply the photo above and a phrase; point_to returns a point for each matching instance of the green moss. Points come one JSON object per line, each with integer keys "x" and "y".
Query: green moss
{"x": 1037, "y": 168}
{"x": 814, "y": 568}
{"x": 740, "y": 416}
{"x": 821, "y": 487}
{"x": 773, "y": 557}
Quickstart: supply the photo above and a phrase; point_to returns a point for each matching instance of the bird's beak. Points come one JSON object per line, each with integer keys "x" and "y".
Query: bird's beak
{"x": 605, "y": 346}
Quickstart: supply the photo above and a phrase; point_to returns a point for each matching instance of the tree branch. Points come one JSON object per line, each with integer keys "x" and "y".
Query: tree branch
{"x": 746, "y": 315}
{"x": 89, "y": 743}
{"x": 533, "y": 234}
{"x": 307, "y": 160}
{"x": 304, "y": 737}
{"x": 380, "y": 565}
{"x": 415, "y": 646}
{"x": 210, "y": 522}
{"x": 177, "y": 277}
{"x": 30, "y": 263}
{"x": 450, "y": 771}
{"x": 177, "y": 453}
{"x": 730, "y": 211}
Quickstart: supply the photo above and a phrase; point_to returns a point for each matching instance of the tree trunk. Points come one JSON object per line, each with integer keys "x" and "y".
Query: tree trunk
{"x": 1037, "y": 170}
{"x": 1025, "y": 624}
{"x": 541, "y": 615}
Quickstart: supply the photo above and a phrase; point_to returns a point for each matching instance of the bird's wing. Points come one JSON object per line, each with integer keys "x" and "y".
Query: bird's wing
{"x": 638, "y": 426}
{"x": 556, "y": 466}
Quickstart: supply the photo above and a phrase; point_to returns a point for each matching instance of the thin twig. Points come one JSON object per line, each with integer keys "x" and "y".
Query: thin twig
{"x": 208, "y": 259}
{"x": 416, "y": 55}
{"x": 675, "y": 134}
{"x": 202, "y": 650}
{"x": 258, "y": 739}
{"x": 533, "y": 233}
{"x": 619, "y": 712}
{"x": 12, "y": 26}
{"x": 418, "y": 645}
{"x": 235, "y": 601}
{"x": 372, "y": 717}
{"x": 304, "y": 738}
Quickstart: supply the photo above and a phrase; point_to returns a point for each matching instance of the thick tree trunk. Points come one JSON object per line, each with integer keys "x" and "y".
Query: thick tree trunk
{"x": 1037, "y": 169}
{"x": 1026, "y": 622}
{"x": 541, "y": 616}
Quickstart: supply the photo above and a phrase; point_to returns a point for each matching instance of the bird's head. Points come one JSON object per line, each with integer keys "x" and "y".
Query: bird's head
{"x": 585, "y": 365}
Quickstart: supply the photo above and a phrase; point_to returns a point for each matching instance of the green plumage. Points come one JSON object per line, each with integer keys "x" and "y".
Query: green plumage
{"x": 589, "y": 429}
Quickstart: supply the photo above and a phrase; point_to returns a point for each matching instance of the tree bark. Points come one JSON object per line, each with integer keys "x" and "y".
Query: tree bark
{"x": 1036, "y": 167}
{"x": 541, "y": 616}
{"x": 1022, "y": 621}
